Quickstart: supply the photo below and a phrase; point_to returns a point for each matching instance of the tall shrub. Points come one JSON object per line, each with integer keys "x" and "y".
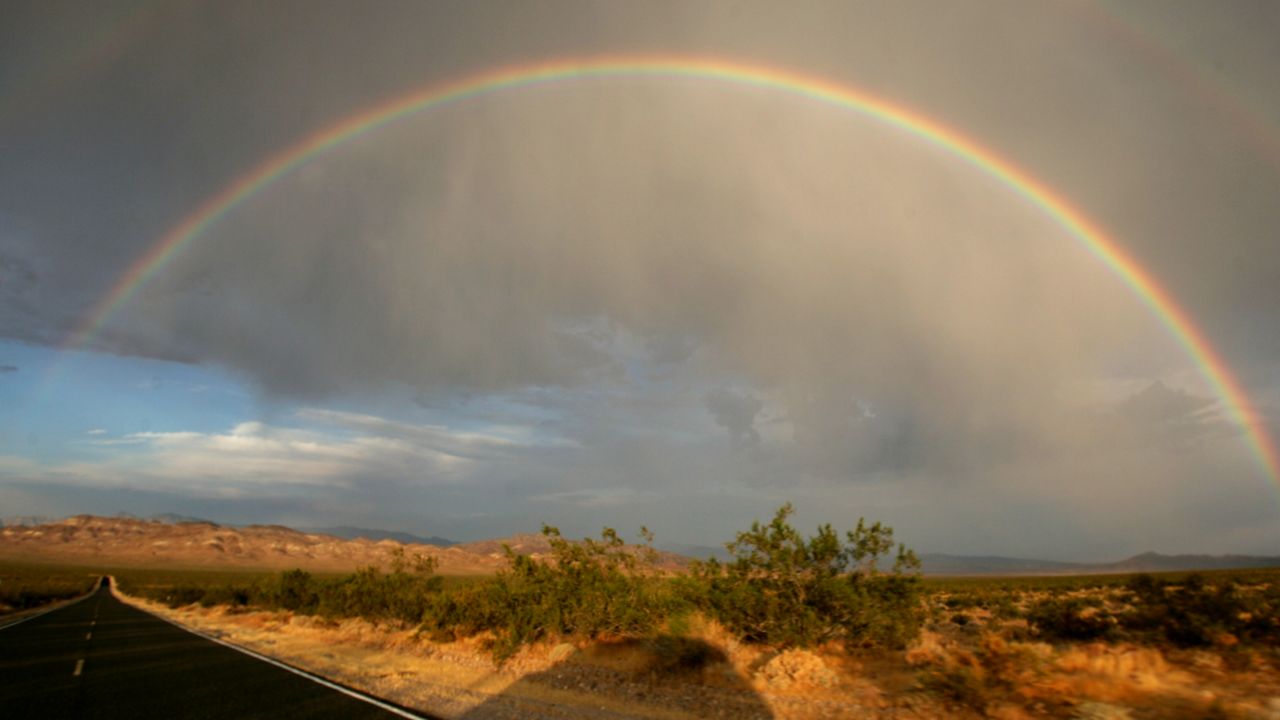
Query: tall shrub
{"x": 783, "y": 589}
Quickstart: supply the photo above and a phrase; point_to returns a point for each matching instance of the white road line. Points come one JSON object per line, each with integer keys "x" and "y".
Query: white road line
{"x": 88, "y": 635}
{"x": 79, "y": 667}
{"x": 296, "y": 671}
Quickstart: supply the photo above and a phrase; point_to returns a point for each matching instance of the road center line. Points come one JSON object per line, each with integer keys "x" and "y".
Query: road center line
{"x": 88, "y": 635}
{"x": 79, "y": 667}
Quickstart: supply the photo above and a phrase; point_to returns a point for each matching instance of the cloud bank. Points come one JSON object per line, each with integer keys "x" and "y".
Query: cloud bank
{"x": 609, "y": 294}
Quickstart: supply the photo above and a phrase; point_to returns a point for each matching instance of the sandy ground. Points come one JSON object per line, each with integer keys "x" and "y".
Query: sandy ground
{"x": 460, "y": 680}
{"x": 938, "y": 676}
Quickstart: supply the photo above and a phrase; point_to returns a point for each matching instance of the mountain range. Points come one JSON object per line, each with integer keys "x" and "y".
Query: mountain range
{"x": 172, "y": 539}
{"x": 91, "y": 540}
{"x": 351, "y": 533}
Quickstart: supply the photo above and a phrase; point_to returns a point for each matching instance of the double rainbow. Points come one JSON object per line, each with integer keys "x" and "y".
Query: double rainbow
{"x": 1175, "y": 319}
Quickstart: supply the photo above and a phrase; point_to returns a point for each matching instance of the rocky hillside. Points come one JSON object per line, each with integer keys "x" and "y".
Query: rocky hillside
{"x": 86, "y": 539}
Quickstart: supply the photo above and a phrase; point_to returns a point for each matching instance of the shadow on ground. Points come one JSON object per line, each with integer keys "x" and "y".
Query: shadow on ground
{"x": 630, "y": 679}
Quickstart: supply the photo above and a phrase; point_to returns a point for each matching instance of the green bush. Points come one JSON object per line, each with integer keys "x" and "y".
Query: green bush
{"x": 23, "y": 587}
{"x": 24, "y": 598}
{"x": 1070, "y": 619}
{"x": 180, "y": 595}
{"x": 590, "y": 589}
{"x": 293, "y": 590}
{"x": 402, "y": 595}
{"x": 1195, "y": 613}
{"x": 785, "y": 590}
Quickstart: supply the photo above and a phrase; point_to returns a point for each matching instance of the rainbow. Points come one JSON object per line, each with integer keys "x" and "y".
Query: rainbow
{"x": 1143, "y": 284}
{"x": 1194, "y": 79}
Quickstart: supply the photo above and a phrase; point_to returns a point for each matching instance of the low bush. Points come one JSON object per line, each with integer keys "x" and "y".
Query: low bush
{"x": 179, "y": 595}
{"x": 229, "y": 595}
{"x": 1194, "y": 612}
{"x": 784, "y": 590}
{"x": 24, "y": 598}
{"x": 402, "y": 595}
{"x": 589, "y": 589}
{"x": 1072, "y": 619}
{"x": 23, "y": 587}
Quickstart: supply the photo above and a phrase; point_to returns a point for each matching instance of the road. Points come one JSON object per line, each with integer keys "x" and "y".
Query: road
{"x": 100, "y": 658}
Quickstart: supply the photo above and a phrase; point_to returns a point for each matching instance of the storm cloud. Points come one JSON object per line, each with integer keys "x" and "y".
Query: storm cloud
{"x": 568, "y": 295}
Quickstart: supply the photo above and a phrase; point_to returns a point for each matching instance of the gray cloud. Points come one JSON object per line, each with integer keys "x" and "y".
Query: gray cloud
{"x": 736, "y": 412}
{"x": 1172, "y": 414}
{"x": 601, "y": 260}
{"x": 8, "y": 369}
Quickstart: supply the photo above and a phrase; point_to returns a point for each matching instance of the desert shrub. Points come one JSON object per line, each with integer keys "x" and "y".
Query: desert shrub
{"x": 1189, "y": 614}
{"x": 590, "y": 589}
{"x": 294, "y": 590}
{"x": 961, "y": 684}
{"x": 230, "y": 595}
{"x": 1003, "y": 607}
{"x": 404, "y": 594}
{"x": 1261, "y": 620}
{"x": 1071, "y": 618}
{"x": 784, "y": 590}
{"x": 977, "y": 676}
{"x": 180, "y": 595}
{"x": 35, "y": 595}
{"x": 24, "y": 586}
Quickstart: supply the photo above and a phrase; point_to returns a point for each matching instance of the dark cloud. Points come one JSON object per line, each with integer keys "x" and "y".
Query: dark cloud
{"x": 604, "y": 260}
{"x": 736, "y": 412}
{"x": 1170, "y": 413}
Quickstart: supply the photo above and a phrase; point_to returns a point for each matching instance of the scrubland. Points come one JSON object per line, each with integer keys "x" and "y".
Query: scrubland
{"x": 25, "y": 587}
{"x": 829, "y": 625}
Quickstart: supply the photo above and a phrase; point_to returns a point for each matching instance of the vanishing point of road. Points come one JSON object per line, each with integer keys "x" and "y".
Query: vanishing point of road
{"x": 100, "y": 658}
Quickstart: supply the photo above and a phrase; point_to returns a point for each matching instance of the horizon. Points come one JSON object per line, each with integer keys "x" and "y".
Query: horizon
{"x": 659, "y": 544}
{"x": 1000, "y": 276}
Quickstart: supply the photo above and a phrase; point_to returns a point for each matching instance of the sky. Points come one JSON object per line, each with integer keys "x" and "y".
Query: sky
{"x": 633, "y": 300}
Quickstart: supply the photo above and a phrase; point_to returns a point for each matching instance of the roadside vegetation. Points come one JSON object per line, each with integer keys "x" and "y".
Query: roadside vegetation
{"x": 25, "y": 587}
{"x": 780, "y": 588}
{"x": 1195, "y": 642}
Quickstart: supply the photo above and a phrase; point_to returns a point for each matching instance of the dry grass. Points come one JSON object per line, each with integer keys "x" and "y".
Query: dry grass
{"x": 616, "y": 679}
{"x": 984, "y": 672}
{"x": 984, "y": 666}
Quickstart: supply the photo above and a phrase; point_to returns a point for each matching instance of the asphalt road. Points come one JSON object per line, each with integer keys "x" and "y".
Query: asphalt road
{"x": 100, "y": 658}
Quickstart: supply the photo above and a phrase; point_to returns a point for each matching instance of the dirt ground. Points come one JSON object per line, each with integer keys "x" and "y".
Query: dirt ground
{"x": 953, "y": 670}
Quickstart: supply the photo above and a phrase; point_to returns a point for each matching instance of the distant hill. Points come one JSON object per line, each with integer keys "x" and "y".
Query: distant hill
{"x": 537, "y": 545}
{"x": 351, "y": 533}
{"x": 178, "y": 540}
{"x": 86, "y": 539}
{"x": 26, "y": 520}
{"x": 697, "y": 552}
{"x": 1155, "y": 562}
{"x": 173, "y": 518}
{"x": 943, "y": 564}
